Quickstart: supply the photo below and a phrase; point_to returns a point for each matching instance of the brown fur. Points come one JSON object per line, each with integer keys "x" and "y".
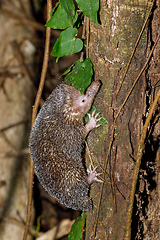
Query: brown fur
{"x": 56, "y": 144}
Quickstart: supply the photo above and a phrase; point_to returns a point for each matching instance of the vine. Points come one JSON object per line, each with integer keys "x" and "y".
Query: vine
{"x": 34, "y": 113}
{"x": 66, "y": 18}
{"x": 69, "y": 20}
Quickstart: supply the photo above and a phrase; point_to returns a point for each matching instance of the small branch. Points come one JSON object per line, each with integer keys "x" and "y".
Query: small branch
{"x": 87, "y": 48}
{"x": 139, "y": 75}
{"x": 90, "y": 158}
{"x": 13, "y": 125}
{"x": 139, "y": 37}
{"x": 83, "y": 37}
{"x": 34, "y": 113}
{"x": 113, "y": 129}
{"x": 104, "y": 173}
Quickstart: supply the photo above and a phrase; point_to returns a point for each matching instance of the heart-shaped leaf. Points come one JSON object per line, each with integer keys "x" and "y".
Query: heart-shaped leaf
{"x": 67, "y": 44}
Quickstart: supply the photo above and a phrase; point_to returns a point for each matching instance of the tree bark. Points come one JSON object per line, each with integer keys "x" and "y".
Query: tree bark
{"x": 111, "y": 45}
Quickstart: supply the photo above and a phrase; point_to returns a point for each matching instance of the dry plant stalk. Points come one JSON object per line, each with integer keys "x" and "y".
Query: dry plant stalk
{"x": 34, "y": 113}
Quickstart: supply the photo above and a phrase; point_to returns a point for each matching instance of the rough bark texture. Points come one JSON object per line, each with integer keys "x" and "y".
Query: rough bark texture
{"x": 111, "y": 44}
{"x": 148, "y": 190}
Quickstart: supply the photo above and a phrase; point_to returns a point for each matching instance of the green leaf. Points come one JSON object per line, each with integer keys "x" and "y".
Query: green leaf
{"x": 81, "y": 75}
{"x": 62, "y": 18}
{"x": 102, "y": 121}
{"x": 77, "y": 227}
{"x": 89, "y": 8}
{"x": 69, "y": 7}
{"x": 53, "y": 9}
{"x": 67, "y": 44}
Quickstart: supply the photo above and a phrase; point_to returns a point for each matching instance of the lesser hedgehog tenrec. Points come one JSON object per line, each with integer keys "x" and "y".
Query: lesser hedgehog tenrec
{"x": 56, "y": 144}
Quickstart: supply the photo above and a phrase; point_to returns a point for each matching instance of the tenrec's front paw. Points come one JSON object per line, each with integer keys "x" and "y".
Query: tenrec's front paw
{"x": 93, "y": 119}
{"x": 92, "y": 175}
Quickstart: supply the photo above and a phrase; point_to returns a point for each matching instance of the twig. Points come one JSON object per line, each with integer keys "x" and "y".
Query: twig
{"x": 142, "y": 70}
{"x": 137, "y": 167}
{"x": 89, "y": 154}
{"x": 83, "y": 37}
{"x": 113, "y": 129}
{"x": 139, "y": 37}
{"x": 112, "y": 179}
{"x": 34, "y": 112}
{"x": 83, "y": 223}
{"x": 104, "y": 173}
{"x": 87, "y": 48}
{"x": 13, "y": 125}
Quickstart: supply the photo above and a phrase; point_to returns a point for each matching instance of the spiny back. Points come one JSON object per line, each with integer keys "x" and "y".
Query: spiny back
{"x": 56, "y": 143}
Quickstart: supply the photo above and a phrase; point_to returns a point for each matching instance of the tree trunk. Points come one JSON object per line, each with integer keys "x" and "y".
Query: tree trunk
{"x": 111, "y": 45}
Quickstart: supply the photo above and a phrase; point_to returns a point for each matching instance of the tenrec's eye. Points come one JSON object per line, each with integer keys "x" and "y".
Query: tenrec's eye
{"x": 83, "y": 100}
